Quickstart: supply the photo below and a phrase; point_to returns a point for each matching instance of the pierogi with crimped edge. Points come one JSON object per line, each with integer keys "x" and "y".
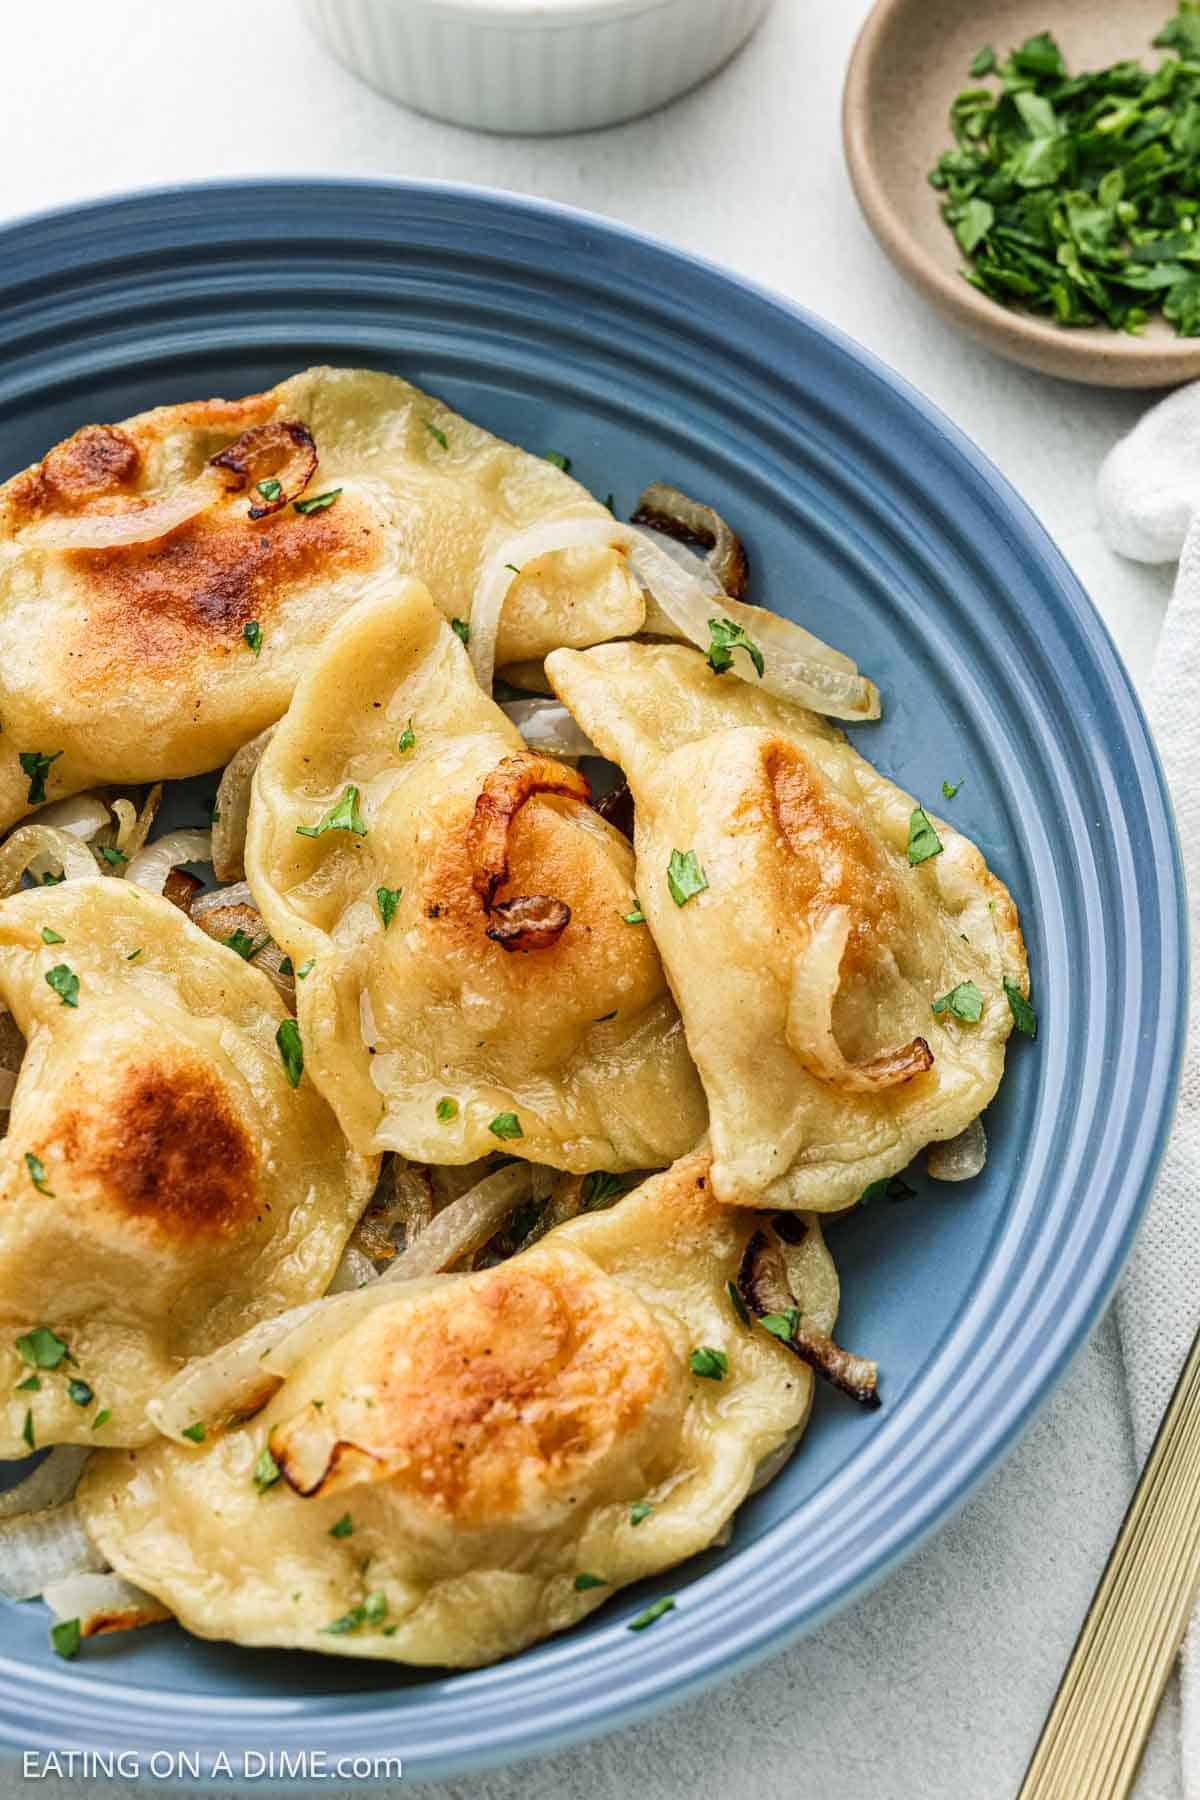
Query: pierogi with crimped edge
{"x": 454, "y": 1462}
{"x": 157, "y": 607}
{"x": 471, "y": 979}
{"x": 162, "y": 1186}
{"x": 804, "y": 950}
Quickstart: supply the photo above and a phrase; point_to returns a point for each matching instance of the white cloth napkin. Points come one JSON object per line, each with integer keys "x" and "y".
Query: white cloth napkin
{"x": 1149, "y": 497}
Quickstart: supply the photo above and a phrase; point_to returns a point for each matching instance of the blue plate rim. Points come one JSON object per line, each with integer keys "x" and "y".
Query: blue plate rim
{"x": 92, "y": 1705}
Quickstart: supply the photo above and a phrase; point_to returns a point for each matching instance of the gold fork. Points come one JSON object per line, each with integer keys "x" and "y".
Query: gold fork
{"x": 1096, "y": 1729}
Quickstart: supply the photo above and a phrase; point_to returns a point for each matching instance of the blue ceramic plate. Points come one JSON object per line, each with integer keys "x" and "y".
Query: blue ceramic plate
{"x": 874, "y": 521}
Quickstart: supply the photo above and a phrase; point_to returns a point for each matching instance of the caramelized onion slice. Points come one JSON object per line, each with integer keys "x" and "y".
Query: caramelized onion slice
{"x": 223, "y": 921}
{"x": 763, "y": 1284}
{"x": 153, "y": 865}
{"x": 103, "y": 1603}
{"x": 809, "y": 1029}
{"x": 535, "y": 922}
{"x": 116, "y": 523}
{"x": 43, "y": 845}
{"x": 281, "y": 455}
{"x": 665, "y": 509}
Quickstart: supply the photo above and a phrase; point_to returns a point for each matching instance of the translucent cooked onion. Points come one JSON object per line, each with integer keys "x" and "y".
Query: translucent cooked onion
{"x": 220, "y": 919}
{"x": 665, "y": 509}
{"x": 809, "y": 1027}
{"x": 958, "y": 1158}
{"x": 547, "y": 726}
{"x": 498, "y": 576}
{"x": 400, "y": 1209}
{"x": 133, "y": 825}
{"x": 687, "y": 559}
{"x": 460, "y": 1228}
{"x": 212, "y": 1389}
{"x": 152, "y": 865}
{"x": 53, "y": 1481}
{"x": 331, "y": 1318}
{"x": 233, "y": 808}
{"x": 353, "y": 1272}
{"x": 36, "y": 843}
{"x": 41, "y": 1547}
{"x": 103, "y": 1603}
{"x": 134, "y": 522}
{"x": 83, "y": 816}
{"x": 797, "y": 665}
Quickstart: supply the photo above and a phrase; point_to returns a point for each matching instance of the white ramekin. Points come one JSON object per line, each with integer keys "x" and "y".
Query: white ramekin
{"x": 534, "y": 65}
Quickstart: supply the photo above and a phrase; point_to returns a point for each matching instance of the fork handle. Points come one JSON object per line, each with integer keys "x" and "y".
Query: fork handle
{"x": 1096, "y": 1729}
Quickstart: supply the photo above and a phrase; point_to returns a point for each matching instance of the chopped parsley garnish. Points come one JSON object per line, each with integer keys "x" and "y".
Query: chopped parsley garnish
{"x": 639, "y": 1512}
{"x": 286, "y": 966}
{"x": 1075, "y": 196}
{"x": 506, "y": 1125}
{"x": 343, "y": 815}
{"x": 584, "y": 1581}
{"x": 42, "y": 1348}
{"x": 559, "y": 460}
{"x": 37, "y": 1174}
{"x": 461, "y": 629}
{"x": 923, "y": 840}
{"x": 66, "y": 1637}
{"x": 372, "y": 1611}
{"x": 195, "y": 1432}
{"x": 600, "y": 1189}
{"x": 965, "y": 1001}
{"x": 446, "y": 1109}
{"x": 65, "y": 983}
{"x": 36, "y": 764}
{"x": 52, "y": 937}
{"x": 270, "y": 489}
{"x": 685, "y": 877}
{"x": 709, "y": 1364}
{"x": 80, "y": 1392}
{"x": 291, "y": 1050}
{"x": 437, "y": 434}
{"x": 102, "y": 1417}
{"x": 781, "y": 1324}
{"x": 343, "y": 1528}
{"x": 318, "y": 503}
{"x": 949, "y": 789}
{"x": 253, "y": 636}
{"x": 32, "y": 1384}
{"x": 27, "y": 1429}
{"x": 266, "y": 1471}
{"x": 513, "y": 567}
{"x": 408, "y": 738}
{"x": 888, "y": 1187}
{"x": 637, "y": 916}
{"x": 740, "y": 1310}
{"x": 387, "y": 898}
{"x": 724, "y": 637}
{"x": 306, "y": 968}
{"x": 657, "y": 1611}
{"x": 113, "y": 857}
{"x": 1024, "y": 1017}
{"x": 245, "y": 946}
{"x": 133, "y": 955}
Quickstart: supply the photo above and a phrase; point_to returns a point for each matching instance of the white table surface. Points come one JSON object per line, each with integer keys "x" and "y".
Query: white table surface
{"x": 933, "y": 1687}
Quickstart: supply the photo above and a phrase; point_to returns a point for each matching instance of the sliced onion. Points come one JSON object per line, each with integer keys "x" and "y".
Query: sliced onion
{"x": 41, "y": 1547}
{"x": 103, "y": 1603}
{"x": 53, "y": 1481}
{"x": 958, "y": 1158}
{"x": 137, "y": 521}
{"x": 38, "y": 843}
{"x": 809, "y": 1028}
{"x": 212, "y": 1389}
{"x": 283, "y": 449}
{"x": 666, "y": 509}
{"x": 133, "y": 826}
{"x": 798, "y": 666}
{"x": 151, "y": 866}
{"x": 331, "y": 1319}
{"x": 460, "y": 1228}
{"x": 547, "y": 726}
{"x": 233, "y": 808}
{"x": 12, "y": 1055}
{"x": 82, "y": 815}
{"x": 497, "y": 577}
{"x": 354, "y": 1271}
{"x": 219, "y": 920}
{"x": 687, "y": 559}
{"x": 400, "y": 1210}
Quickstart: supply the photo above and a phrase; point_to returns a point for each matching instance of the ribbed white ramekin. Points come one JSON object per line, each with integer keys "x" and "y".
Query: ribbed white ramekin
{"x": 534, "y": 65}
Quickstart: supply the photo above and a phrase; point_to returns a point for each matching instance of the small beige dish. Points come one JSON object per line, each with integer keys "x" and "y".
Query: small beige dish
{"x": 910, "y": 61}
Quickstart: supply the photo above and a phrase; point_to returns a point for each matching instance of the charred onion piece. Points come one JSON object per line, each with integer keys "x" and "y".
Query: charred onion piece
{"x": 283, "y": 451}
{"x": 535, "y": 921}
{"x": 532, "y": 922}
{"x": 665, "y": 509}
{"x": 763, "y": 1285}
{"x": 617, "y": 808}
{"x": 181, "y": 889}
{"x": 816, "y": 978}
